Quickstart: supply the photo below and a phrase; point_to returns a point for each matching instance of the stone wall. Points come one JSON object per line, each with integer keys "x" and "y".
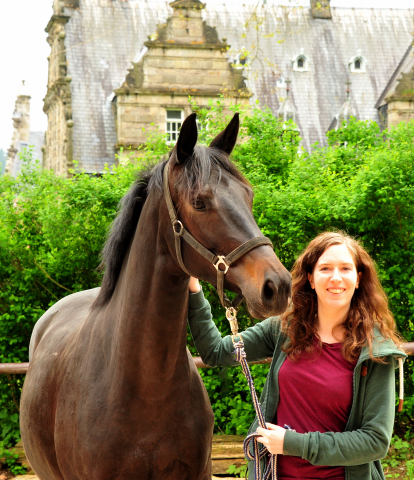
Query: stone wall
{"x": 400, "y": 110}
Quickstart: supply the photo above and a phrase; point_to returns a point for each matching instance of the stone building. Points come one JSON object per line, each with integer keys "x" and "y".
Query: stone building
{"x": 22, "y": 138}
{"x": 184, "y": 57}
{"x": 118, "y": 66}
{"x": 396, "y": 102}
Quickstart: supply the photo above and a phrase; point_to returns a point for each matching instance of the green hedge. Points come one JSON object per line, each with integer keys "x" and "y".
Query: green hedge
{"x": 52, "y": 230}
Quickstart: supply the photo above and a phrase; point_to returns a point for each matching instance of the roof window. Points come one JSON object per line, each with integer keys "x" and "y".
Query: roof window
{"x": 242, "y": 58}
{"x": 358, "y": 63}
{"x": 300, "y": 62}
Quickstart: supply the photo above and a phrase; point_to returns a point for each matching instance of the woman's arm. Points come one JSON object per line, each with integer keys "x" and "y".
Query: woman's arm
{"x": 215, "y": 350}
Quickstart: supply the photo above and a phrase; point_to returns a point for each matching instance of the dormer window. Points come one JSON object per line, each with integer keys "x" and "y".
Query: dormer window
{"x": 357, "y": 64}
{"x": 241, "y": 59}
{"x": 300, "y": 62}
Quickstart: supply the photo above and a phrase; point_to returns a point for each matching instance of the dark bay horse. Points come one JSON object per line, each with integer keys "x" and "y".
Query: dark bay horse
{"x": 111, "y": 391}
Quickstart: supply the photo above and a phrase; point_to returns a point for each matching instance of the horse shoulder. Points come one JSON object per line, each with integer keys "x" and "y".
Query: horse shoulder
{"x": 62, "y": 315}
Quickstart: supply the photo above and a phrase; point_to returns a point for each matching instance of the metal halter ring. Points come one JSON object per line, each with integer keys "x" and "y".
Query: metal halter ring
{"x": 180, "y": 231}
{"x": 231, "y": 313}
{"x": 221, "y": 261}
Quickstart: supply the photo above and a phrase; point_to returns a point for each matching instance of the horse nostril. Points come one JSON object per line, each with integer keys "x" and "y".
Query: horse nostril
{"x": 269, "y": 291}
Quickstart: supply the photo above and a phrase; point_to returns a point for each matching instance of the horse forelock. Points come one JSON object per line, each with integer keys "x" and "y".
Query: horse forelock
{"x": 196, "y": 171}
{"x": 194, "y": 176}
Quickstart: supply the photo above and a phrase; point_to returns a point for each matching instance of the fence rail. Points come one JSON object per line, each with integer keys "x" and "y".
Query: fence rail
{"x": 16, "y": 368}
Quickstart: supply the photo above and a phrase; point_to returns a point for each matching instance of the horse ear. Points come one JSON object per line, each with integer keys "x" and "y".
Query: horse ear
{"x": 187, "y": 139}
{"x": 227, "y": 138}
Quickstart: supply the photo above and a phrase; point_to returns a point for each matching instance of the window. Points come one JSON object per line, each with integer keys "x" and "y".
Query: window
{"x": 242, "y": 58}
{"x": 358, "y": 63}
{"x": 174, "y": 120}
{"x": 300, "y": 62}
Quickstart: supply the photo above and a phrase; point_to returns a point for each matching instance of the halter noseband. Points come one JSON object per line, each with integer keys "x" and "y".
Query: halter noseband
{"x": 221, "y": 263}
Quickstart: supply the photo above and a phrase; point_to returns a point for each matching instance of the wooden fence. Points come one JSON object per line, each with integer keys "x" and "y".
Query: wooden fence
{"x": 16, "y": 368}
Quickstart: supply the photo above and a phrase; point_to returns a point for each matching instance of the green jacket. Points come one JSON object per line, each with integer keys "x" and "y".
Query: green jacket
{"x": 368, "y": 432}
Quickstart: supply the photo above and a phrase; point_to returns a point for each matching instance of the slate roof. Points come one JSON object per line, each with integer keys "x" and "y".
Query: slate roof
{"x": 36, "y": 140}
{"x": 104, "y": 36}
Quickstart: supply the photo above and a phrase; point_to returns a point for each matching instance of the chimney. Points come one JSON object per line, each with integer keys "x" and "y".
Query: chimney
{"x": 186, "y": 24}
{"x": 321, "y": 9}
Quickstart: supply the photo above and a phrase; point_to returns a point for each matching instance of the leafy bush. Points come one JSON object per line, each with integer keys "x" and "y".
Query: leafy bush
{"x": 400, "y": 459}
{"x": 52, "y": 230}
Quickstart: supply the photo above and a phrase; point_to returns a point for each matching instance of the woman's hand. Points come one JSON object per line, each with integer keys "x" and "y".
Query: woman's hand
{"x": 273, "y": 438}
{"x": 194, "y": 285}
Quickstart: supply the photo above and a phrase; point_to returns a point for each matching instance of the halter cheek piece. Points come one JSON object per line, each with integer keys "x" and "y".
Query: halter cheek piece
{"x": 221, "y": 263}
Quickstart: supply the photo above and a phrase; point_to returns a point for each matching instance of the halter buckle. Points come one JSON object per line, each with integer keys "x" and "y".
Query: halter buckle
{"x": 221, "y": 261}
{"x": 180, "y": 231}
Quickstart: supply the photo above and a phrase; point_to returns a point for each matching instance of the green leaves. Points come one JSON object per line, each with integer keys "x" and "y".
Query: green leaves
{"x": 52, "y": 230}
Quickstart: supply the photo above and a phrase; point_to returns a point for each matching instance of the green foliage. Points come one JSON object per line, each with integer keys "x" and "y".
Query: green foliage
{"x": 356, "y": 133}
{"x": 52, "y": 230}
{"x": 9, "y": 430}
{"x": 11, "y": 460}
{"x": 3, "y": 159}
{"x": 399, "y": 463}
{"x": 238, "y": 471}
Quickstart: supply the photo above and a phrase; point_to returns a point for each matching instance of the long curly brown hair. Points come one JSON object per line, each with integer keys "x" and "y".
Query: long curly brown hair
{"x": 369, "y": 304}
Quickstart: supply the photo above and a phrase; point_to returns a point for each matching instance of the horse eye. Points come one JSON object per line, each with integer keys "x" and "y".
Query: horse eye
{"x": 198, "y": 204}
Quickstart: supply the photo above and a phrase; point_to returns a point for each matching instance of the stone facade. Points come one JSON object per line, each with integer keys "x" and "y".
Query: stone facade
{"x": 401, "y": 102}
{"x": 57, "y": 103}
{"x": 184, "y": 58}
{"x": 21, "y": 125}
{"x": 23, "y": 138}
{"x": 396, "y": 103}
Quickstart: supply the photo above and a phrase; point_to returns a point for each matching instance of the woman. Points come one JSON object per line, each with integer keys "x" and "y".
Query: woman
{"x": 332, "y": 378}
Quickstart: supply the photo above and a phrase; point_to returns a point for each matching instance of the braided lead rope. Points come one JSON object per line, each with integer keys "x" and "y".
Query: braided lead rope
{"x": 250, "y": 443}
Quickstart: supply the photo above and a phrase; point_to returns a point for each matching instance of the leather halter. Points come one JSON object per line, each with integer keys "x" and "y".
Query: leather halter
{"x": 221, "y": 263}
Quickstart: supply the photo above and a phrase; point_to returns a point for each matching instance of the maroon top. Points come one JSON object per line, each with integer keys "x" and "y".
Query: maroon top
{"x": 315, "y": 396}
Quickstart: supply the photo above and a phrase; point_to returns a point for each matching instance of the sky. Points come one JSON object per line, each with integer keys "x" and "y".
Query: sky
{"x": 24, "y": 51}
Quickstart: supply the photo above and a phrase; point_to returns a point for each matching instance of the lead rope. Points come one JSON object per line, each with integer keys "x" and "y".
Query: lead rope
{"x": 252, "y": 449}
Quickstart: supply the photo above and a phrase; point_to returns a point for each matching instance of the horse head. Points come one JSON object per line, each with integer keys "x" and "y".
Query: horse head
{"x": 214, "y": 204}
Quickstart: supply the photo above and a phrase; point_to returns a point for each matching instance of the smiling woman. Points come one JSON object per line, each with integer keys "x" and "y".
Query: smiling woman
{"x": 334, "y": 279}
{"x": 330, "y": 393}
{"x": 326, "y": 303}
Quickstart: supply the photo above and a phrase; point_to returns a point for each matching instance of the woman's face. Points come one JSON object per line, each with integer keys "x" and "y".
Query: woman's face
{"x": 335, "y": 278}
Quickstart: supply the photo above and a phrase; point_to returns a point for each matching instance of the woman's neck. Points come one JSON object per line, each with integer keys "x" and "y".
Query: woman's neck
{"x": 329, "y": 324}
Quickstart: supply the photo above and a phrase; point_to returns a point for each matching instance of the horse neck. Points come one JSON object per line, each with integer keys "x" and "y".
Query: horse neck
{"x": 150, "y": 302}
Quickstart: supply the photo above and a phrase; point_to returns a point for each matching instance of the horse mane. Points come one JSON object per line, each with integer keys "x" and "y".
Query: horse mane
{"x": 195, "y": 175}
